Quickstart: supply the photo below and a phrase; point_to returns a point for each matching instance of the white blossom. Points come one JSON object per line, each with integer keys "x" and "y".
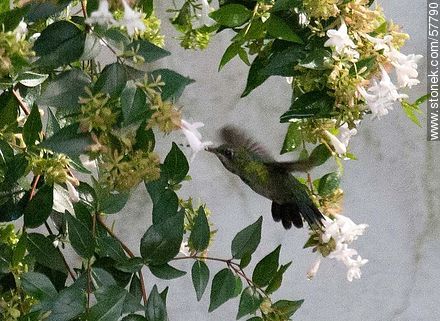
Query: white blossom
{"x": 346, "y": 133}
{"x": 21, "y": 30}
{"x": 349, "y": 231}
{"x": 342, "y": 252}
{"x": 184, "y": 249}
{"x": 354, "y": 271}
{"x": 204, "y": 18}
{"x": 406, "y": 67}
{"x": 102, "y": 16}
{"x": 73, "y": 193}
{"x": 340, "y": 40}
{"x": 313, "y": 269}
{"x": 132, "y": 20}
{"x": 381, "y": 95}
{"x": 194, "y": 137}
{"x": 340, "y": 148}
{"x": 380, "y": 43}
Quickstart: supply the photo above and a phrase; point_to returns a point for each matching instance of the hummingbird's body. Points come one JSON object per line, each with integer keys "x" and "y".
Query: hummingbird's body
{"x": 269, "y": 178}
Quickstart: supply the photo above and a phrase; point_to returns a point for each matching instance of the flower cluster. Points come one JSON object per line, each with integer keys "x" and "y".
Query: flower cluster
{"x": 15, "y": 50}
{"x": 333, "y": 241}
{"x": 132, "y": 20}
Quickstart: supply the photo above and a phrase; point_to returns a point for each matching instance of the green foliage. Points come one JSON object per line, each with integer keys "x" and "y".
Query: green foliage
{"x": 200, "y": 278}
{"x": 246, "y": 241}
{"x": 222, "y": 289}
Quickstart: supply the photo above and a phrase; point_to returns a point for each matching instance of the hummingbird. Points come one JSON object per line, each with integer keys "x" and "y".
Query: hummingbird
{"x": 248, "y": 159}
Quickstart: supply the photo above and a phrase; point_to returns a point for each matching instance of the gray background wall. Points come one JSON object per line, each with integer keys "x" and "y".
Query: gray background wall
{"x": 394, "y": 187}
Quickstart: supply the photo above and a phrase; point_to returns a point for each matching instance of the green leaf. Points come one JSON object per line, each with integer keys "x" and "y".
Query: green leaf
{"x": 156, "y": 308}
{"x": 11, "y": 18}
{"x": 175, "y": 83}
{"x": 110, "y": 302}
{"x": 245, "y": 260}
{"x": 147, "y": 50}
{"x": 43, "y": 10}
{"x": 43, "y": 251}
{"x": 130, "y": 265}
{"x": 166, "y": 271}
{"x": 255, "y": 319}
{"x": 319, "y": 59}
{"x": 246, "y": 241}
{"x": 68, "y": 140}
{"x": 175, "y": 166}
{"x": 413, "y": 110}
{"x": 60, "y": 43}
{"x": 293, "y": 138}
{"x": 52, "y": 125}
{"x": 32, "y": 127}
{"x": 39, "y": 287}
{"x": 39, "y": 207}
{"x": 64, "y": 91}
{"x": 108, "y": 246}
{"x": 31, "y": 79}
{"x": 112, "y": 80}
{"x": 256, "y": 75}
{"x": 161, "y": 242}
{"x": 283, "y": 63}
{"x": 200, "y": 278}
{"x": 280, "y": 29}
{"x": 70, "y": 303}
{"x": 320, "y": 154}
{"x": 265, "y": 269}
{"x": 147, "y": 6}
{"x": 250, "y": 301}
{"x": 363, "y": 66}
{"x": 165, "y": 206}
{"x": 287, "y": 308}
{"x": 281, "y": 5}
{"x": 222, "y": 288}
{"x": 144, "y": 138}
{"x": 80, "y": 237}
{"x": 238, "y": 288}
{"x": 231, "y": 15}
{"x": 312, "y": 104}
{"x": 329, "y": 183}
{"x": 230, "y": 53}
{"x": 200, "y": 233}
{"x": 111, "y": 202}
{"x": 8, "y": 110}
{"x": 133, "y": 103}
{"x": 92, "y": 46}
{"x": 276, "y": 281}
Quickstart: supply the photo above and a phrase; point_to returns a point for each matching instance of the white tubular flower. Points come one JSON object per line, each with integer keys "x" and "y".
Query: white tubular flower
{"x": 381, "y": 95}
{"x": 204, "y": 18}
{"x": 380, "y": 43}
{"x": 132, "y": 20}
{"x": 194, "y": 137}
{"x": 406, "y": 67}
{"x": 340, "y": 148}
{"x": 73, "y": 193}
{"x": 331, "y": 230}
{"x": 339, "y": 39}
{"x": 313, "y": 269}
{"x": 102, "y": 16}
{"x": 349, "y": 231}
{"x": 21, "y": 30}
{"x": 184, "y": 249}
{"x": 354, "y": 271}
{"x": 345, "y": 134}
{"x": 342, "y": 253}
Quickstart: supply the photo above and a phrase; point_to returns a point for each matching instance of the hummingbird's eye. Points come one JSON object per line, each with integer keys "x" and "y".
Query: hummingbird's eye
{"x": 229, "y": 153}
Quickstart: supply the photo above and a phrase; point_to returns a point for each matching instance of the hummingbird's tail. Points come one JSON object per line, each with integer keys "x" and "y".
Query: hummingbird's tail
{"x": 293, "y": 213}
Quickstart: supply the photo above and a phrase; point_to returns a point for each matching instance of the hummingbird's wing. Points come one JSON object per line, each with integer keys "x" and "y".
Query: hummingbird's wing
{"x": 296, "y": 166}
{"x": 236, "y": 138}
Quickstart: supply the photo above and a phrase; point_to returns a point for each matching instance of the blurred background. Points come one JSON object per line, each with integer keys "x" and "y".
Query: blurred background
{"x": 394, "y": 187}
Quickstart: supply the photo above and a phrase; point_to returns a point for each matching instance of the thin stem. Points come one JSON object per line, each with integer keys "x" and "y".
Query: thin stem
{"x": 89, "y": 266}
{"x": 128, "y": 251}
{"x": 83, "y": 8}
{"x": 22, "y": 104}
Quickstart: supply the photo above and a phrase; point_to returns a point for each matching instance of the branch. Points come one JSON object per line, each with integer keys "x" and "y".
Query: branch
{"x": 21, "y": 102}
{"x": 128, "y": 251}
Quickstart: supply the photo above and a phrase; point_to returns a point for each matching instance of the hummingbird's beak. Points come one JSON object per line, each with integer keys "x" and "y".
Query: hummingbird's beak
{"x": 211, "y": 149}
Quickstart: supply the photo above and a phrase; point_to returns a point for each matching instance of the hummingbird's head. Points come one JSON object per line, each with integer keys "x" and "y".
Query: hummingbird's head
{"x": 238, "y": 149}
{"x": 228, "y": 155}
